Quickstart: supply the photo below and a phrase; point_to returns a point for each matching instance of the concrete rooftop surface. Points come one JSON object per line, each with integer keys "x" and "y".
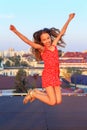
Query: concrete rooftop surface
{"x": 70, "y": 115}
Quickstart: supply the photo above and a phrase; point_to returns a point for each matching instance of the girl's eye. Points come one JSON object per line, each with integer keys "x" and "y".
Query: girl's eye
{"x": 43, "y": 39}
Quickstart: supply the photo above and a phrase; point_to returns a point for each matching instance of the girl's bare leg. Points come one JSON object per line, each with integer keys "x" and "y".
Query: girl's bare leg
{"x": 40, "y": 91}
{"x": 28, "y": 97}
{"x": 58, "y": 94}
{"x": 49, "y": 97}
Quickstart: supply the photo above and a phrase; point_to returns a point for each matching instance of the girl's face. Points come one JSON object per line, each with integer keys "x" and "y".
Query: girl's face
{"x": 45, "y": 39}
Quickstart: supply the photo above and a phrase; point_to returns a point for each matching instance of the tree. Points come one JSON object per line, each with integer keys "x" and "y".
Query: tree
{"x": 60, "y": 53}
{"x": 0, "y": 60}
{"x": 7, "y": 64}
{"x": 24, "y": 63}
{"x": 16, "y": 60}
{"x": 21, "y": 84}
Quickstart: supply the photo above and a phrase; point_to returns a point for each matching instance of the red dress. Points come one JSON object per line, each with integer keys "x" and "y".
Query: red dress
{"x": 50, "y": 74}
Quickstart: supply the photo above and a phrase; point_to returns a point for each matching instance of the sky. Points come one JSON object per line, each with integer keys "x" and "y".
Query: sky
{"x": 29, "y": 16}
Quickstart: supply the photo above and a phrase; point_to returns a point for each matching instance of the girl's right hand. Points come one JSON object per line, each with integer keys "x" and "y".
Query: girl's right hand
{"x": 12, "y": 28}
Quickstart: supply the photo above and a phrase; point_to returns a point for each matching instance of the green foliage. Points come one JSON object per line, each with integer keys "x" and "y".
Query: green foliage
{"x": 16, "y": 60}
{"x": 74, "y": 70}
{"x": 7, "y": 64}
{"x": 1, "y": 59}
{"x": 21, "y": 84}
{"x": 24, "y": 63}
{"x": 60, "y": 53}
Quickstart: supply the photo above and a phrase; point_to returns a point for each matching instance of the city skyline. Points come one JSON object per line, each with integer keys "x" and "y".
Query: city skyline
{"x": 30, "y": 16}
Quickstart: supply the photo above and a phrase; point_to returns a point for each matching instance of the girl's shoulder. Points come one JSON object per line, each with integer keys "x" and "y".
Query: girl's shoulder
{"x": 53, "y": 47}
{"x": 41, "y": 50}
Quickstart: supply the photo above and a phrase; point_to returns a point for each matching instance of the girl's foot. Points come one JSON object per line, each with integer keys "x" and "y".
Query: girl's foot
{"x": 28, "y": 97}
{"x": 32, "y": 97}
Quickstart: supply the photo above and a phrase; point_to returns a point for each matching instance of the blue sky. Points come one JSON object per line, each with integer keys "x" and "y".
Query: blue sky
{"x": 31, "y": 15}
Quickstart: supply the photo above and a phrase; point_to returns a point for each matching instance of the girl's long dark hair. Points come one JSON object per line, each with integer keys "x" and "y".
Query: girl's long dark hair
{"x": 53, "y": 32}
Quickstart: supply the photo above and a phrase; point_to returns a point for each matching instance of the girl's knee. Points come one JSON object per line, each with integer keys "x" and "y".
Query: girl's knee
{"x": 59, "y": 101}
{"x": 52, "y": 103}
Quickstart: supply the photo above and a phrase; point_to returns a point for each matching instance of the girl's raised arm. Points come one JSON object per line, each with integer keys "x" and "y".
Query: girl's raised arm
{"x": 63, "y": 30}
{"x": 25, "y": 39}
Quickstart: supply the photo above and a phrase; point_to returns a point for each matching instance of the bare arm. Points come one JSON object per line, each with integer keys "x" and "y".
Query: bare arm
{"x": 63, "y": 30}
{"x": 25, "y": 39}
